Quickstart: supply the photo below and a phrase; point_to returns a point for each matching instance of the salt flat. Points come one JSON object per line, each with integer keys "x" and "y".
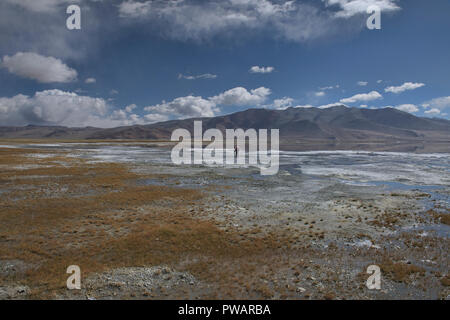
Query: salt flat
{"x": 222, "y": 232}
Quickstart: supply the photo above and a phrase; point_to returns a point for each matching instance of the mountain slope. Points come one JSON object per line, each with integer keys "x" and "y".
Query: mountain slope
{"x": 334, "y": 125}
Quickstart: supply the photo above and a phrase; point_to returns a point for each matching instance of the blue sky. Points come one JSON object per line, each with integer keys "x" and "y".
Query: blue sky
{"x": 138, "y": 62}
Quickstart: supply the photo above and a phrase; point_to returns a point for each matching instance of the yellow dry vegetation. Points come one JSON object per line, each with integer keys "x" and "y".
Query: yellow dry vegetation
{"x": 61, "y": 211}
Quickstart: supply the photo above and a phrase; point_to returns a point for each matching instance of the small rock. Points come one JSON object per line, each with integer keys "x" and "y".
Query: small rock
{"x": 165, "y": 270}
{"x": 301, "y": 290}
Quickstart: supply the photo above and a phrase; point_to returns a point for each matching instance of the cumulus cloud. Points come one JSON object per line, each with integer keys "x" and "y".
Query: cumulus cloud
{"x": 153, "y": 118}
{"x": 404, "y": 87}
{"x": 411, "y": 108}
{"x": 240, "y": 96}
{"x": 51, "y": 107}
{"x": 36, "y": 67}
{"x": 119, "y": 115}
{"x": 130, "y": 107}
{"x": 331, "y": 105}
{"x": 126, "y": 114}
{"x": 374, "y": 95}
{"x": 196, "y": 106}
{"x": 350, "y": 8}
{"x": 325, "y": 106}
{"x": 319, "y": 94}
{"x": 433, "y": 111}
{"x": 90, "y": 80}
{"x": 441, "y": 103}
{"x": 284, "y": 103}
{"x": 57, "y": 107}
{"x": 184, "y": 107}
{"x": 123, "y": 117}
{"x": 201, "y": 76}
{"x": 257, "y": 69}
{"x": 362, "y": 83}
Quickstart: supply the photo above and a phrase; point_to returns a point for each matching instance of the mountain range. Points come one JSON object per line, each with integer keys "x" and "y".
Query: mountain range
{"x": 300, "y": 128}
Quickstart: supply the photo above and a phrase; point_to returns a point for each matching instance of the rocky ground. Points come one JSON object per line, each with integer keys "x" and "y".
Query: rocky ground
{"x": 153, "y": 231}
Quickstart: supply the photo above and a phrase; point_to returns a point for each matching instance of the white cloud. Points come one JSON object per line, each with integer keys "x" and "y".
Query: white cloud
{"x": 51, "y": 107}
{"x": 411, "y": 108}
{"x": 122, "y": 117}
{"x": 433, "y": 111}
{"x": 362, "y": 83}
{"x": 197, "y": 20}
{"x": 374, "y": 95}
{"x": 196, "y": 106}
{"x": 319, "y": 94}
{"x": 57, "y": 107}
{"x": 240, "y": 96}
{"x": 201, "y": 76}
{"x": 379, "y": 81}
{"x": 41, "y": 23}
{"x": 350, "y": 8}
{"x": 119, "y": 115}
{"x": 306, "y": 106}
{"x": 329, "y": 88}
{"x": 41, "y": 5}
{"x": 331, "y": 105}
{"x": 130, "y": 107}
{"x": 184, "y": 107}
{"x": 284, "y": 103}
{"x": 441, "y": 103}
{"x": 404, "y": 87}
{"x": 325, "y": 106}
{"x": 152, "y": 118}
{"x": 257, "y": 69}
{"x": 36, "y": 67}
{"x": 90, "y": 80}
{"x": 134, "y": 9}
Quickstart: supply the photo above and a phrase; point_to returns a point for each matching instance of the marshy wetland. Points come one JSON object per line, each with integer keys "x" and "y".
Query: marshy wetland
{"x": 140, "y": 227}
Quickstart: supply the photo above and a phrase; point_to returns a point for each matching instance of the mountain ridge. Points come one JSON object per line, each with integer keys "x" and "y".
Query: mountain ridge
{"x": 339, "y": 124}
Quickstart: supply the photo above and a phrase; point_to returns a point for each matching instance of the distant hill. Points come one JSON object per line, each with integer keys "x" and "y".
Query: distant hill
{"x": 331, "y": 126}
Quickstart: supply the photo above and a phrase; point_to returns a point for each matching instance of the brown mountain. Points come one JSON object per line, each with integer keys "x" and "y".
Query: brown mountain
{"x": 300, "y": 128}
